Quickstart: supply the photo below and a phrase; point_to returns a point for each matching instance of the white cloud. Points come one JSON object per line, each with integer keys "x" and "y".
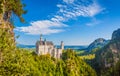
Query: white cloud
{"x": 68, "y": 1}
{"x": 79, "y": 9}
{"x": 93, "y": 9}
{"x": 58, "y": 18}
{"x": 44, "y": 27}
{"x": 68, "y": 9}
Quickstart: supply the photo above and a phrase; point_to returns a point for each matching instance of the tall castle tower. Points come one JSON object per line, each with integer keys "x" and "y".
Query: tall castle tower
{"x": 62, "y": 45}
{"x": 41, "y": 37}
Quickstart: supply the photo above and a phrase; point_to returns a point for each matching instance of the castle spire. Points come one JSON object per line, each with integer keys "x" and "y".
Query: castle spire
{"x": 40, "y": 37}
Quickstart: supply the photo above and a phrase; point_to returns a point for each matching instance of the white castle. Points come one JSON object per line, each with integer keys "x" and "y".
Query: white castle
{"x": 47, "y": 47}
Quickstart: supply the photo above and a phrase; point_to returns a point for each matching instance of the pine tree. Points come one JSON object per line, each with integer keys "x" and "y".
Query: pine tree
{"x": 9, "y": 8}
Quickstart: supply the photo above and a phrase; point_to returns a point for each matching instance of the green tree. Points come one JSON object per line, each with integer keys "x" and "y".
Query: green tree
{"x": 12, "y": 7}
{"x": 74, "y": 66}
{"x": 9, "y": 8}
{"x": 59, "y": 68}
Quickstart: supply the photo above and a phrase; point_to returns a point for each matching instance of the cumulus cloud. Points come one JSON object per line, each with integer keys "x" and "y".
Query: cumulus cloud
{"x": 68, "y": 9}
{"x": 45, "y": 27}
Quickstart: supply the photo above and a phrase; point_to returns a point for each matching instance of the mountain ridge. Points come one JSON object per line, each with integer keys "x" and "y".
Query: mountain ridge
{"x": 98, "y": 43}
{"x": 109, "y": 55}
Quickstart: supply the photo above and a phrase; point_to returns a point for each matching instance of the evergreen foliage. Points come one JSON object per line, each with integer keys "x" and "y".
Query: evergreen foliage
{"x": 24, "y": 62}
{"x": 12, "y": 7}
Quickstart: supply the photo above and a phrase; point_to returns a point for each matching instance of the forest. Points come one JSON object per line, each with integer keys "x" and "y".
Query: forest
{"x": 16, "y": 61}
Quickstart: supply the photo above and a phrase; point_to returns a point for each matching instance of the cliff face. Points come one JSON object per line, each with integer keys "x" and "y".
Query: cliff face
{"x": 109, "y": 55}
{"x": 98, "y": 43}
{"x": 116, "y": 34}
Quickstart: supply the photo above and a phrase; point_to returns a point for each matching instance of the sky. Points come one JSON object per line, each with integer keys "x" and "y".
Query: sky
{"x": 76, "y": 22}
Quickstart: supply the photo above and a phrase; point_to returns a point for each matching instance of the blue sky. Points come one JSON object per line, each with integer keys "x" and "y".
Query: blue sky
{"x": 76, "y": 22}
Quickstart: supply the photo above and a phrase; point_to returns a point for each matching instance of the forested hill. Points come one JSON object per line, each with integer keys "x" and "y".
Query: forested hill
{"x": 109, "y": 55}
{"x": 98, "y": 43}
{"x": 22, "y": 62}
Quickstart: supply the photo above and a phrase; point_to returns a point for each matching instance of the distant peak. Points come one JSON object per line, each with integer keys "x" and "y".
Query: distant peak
{"x": 116, "y": 34}
{"x": 100, "y": 40}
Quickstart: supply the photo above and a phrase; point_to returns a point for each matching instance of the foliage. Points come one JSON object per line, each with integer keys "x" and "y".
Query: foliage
{"x": 80, "y": 52}
{"x": 87, "y": 57}
{"x": 74, "y": 66}
{"x": 116, "y": 69}
{"x": 24, "y": 62}
{"x": 112, "y": 71}
{"x": 12, "y": 7}
{"x": 106, "y": 58}
{"x": 5, "y": 40}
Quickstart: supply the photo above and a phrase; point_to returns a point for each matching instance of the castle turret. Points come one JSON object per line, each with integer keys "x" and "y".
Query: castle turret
{"x": 45, "y": 47}
{"x": 45, "y": 42}
{"x": 62, "y": 45}
{"x": 41, "y": 37}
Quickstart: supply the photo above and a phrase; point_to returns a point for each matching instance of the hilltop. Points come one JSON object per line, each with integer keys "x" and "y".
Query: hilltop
{"x": 109, "y": 55}
{"x": 98, "y": 43}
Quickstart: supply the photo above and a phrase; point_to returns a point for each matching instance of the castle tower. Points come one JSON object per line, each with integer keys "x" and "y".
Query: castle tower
{"x": 45, "y": 46}
{"x": 45, "y": 42}
{"x": 62, "y": 45}
{"x": 41, "y": 37}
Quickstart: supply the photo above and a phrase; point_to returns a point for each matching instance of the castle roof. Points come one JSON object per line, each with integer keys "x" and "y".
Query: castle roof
{"x": 47, "y": 42}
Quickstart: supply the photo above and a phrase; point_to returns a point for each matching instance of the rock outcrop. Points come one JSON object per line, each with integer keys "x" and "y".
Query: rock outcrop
{"x": 109, "y": 55}
{"x": 116, "y": 34}
{"x": 98, "y": 43}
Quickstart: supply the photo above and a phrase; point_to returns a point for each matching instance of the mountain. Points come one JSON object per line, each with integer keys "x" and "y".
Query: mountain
{"x": 74, "y": 47}
{"x": 116, "y": 34}
{"x": 26, "y": 46}
{"x": 109, "y": 55}
{"x": 98, "y": 43}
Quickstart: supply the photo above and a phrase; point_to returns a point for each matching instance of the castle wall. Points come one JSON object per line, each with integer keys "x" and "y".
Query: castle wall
{"x": 50, "y": 50}
{"x": 37, "y": 48}
{"x": 45, "y": 49}
{"x": 55, "y": 53}
{"x": 42, "y": 49}
{"x": 59, "y": 53}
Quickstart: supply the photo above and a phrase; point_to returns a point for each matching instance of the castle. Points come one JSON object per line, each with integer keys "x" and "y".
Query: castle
{"x": 47, "y": 47}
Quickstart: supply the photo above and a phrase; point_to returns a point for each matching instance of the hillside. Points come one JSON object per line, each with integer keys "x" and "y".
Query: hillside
{"x": 109, "y": 55}
{"x": 98, "y": 43}
{"x": 25, "y": 63}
